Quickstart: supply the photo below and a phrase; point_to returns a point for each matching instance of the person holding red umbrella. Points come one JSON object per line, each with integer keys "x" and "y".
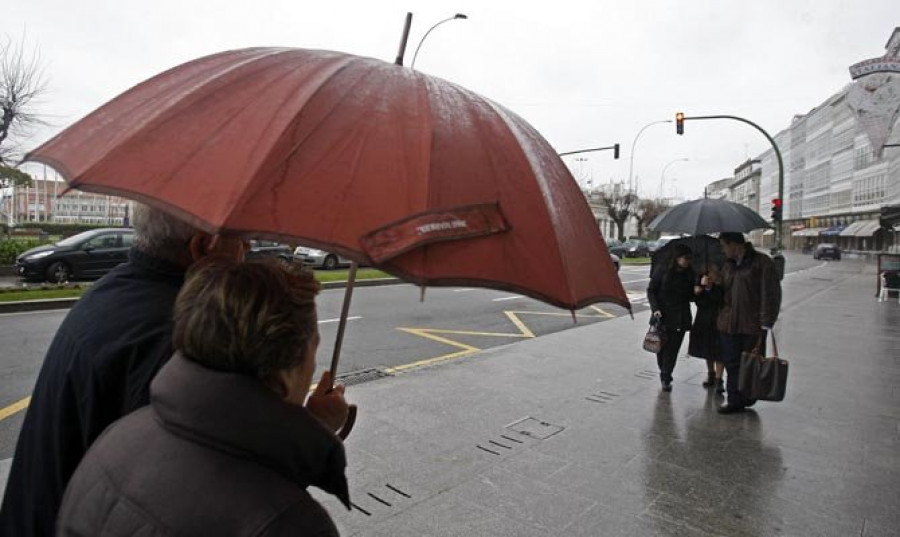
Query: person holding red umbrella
{"x": 100, "y": 364}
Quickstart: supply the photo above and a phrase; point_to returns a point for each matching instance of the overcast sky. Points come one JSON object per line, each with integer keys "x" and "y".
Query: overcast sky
{"x": 584, "y": 73}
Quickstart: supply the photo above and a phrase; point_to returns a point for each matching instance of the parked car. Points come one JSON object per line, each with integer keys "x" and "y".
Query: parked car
{"x": 319, "y": 258}
{"x": 652, "y": 246}
{"x": 827, "y": 251}
{"x": 269, "y": 249}
{"x": 633, "y": 248}
{"x": 90, "y": 254}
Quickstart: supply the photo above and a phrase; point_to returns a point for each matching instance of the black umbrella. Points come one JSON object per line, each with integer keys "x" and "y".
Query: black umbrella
{"x": 707, "y": 253}
{"x": 705, "y": 215}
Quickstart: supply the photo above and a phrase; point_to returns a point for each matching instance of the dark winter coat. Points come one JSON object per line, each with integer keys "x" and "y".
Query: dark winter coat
{"x": 704, "y": 341}
{"x": 97, "y": 369}
{"x": 751, "y": 294}
{"x": 214, "y": 454}
{"x": 670, "y": 292}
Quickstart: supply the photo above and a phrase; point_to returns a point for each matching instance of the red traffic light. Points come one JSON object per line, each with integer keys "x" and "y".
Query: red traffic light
{"x": 679, "y": 123}
{"x": 776, "y": 202}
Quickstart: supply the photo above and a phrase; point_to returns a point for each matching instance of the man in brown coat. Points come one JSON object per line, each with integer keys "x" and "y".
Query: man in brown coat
{"x": 752, "y": 298}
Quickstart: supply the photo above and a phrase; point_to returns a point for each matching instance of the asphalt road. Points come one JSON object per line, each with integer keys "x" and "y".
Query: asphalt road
{"x": 390, "y": 329}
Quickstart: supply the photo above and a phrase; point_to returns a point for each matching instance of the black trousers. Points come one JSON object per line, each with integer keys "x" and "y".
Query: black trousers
{"x": 732, "y": 346}
{"x": 667, "y": 356}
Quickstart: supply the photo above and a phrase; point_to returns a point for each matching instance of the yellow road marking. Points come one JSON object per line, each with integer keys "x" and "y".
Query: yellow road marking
{"x": 603, "y": 312}
{"x": 513, "y": 316}
{"x": 18, "y": 406}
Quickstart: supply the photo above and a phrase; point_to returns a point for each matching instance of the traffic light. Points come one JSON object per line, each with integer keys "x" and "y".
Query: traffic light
{"x": 679, "y": 123}
{"x": 616, "y": 151}
{"x": 776, "y": 210}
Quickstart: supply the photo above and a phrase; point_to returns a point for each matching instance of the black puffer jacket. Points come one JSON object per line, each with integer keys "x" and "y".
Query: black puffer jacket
{"x": 214, "y": 454}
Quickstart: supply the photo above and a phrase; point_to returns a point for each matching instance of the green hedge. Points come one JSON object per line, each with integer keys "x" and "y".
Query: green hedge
{"x": 10, "y": 249}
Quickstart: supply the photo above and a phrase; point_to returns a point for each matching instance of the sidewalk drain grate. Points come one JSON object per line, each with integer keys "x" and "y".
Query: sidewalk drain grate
{"x": 602, "y": 397}
{"x": 647, "y": 374}
{"x": 382, "y": 498}
{"x": 535, "y": 428}
{"x": 360, "y": 376}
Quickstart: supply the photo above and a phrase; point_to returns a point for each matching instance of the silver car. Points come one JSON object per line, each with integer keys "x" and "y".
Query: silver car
{"x": 319, "y": 258}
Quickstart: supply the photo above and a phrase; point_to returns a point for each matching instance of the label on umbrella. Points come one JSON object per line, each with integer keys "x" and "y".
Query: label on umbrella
{"x": 433, "y": 226}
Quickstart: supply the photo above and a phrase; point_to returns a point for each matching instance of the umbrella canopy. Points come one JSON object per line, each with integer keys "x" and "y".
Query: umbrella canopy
{"x": 703, "y": 216}
{"x": 370, "y": 160}
{"x": 707, "y": 254}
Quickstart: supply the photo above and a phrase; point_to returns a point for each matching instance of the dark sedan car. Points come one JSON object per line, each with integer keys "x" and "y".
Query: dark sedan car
{"x": 631, "y": 249}
{"x": 827, "y": 251}
{"x": 87, "y": 255}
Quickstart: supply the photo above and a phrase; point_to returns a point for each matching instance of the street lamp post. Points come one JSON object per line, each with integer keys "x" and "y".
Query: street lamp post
{"x": 631, "y": 156}
{"x": 662, "y": 176}
{"x": 416, "y": 54}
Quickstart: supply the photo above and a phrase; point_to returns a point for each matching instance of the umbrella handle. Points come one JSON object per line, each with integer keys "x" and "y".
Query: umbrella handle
{"x": 345, "y": 310}
{"x": 348, "y": 425}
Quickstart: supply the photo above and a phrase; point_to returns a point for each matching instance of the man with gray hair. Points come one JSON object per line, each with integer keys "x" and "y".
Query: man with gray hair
{"x": 100, "y": 364}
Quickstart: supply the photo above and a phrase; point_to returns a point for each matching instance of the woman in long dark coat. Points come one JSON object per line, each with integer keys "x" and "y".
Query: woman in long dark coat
{"x": 704, "y": 341}
{"x": 670, "y": 293}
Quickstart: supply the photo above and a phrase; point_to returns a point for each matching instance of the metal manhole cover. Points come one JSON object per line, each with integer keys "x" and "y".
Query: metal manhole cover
{"x": 535, "y": 428}
{"x": 360, "y": 376}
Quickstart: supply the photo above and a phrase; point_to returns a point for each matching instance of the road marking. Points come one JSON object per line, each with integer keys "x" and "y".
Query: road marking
{"x": 506, "y": 298}
{"x": 18, "y": 406}
{"x": 338, "y": 319}
{"x": 464, "y": 290}
{"x": 466, "y": 349}
{"x": 636, "y": 281}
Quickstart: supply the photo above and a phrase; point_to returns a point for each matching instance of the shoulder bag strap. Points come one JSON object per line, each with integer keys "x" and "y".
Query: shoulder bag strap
{"x": 774, "y": 343}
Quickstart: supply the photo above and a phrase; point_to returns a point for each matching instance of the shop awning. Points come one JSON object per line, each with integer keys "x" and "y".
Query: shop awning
{"x": 869, "y": 228}
{"x": 861, "y": 228}
{"x": 808, "y": 232}
{"x": 833, "y": 231}
{"x": 850, "y": 231}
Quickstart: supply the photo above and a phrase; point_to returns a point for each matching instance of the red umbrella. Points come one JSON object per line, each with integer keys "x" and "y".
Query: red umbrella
{"x": 371, "y": 160}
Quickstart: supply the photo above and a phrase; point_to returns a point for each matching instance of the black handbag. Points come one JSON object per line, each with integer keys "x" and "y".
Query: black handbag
{"x": 761, "y": 378}
{"x": 654, "y": 340}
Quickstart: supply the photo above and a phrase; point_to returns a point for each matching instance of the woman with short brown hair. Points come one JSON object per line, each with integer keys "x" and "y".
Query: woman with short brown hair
{"x": 229, "y": 443}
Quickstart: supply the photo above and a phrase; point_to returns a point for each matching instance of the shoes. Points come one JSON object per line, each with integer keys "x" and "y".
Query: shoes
{"x": 730, "y": 409}
{"x": 710, "y": 380}
{"x": 666, "y": 385}
{"x": 720, "y": 386}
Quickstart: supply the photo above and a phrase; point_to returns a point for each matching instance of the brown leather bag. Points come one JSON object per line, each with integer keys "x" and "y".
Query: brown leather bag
{"x": 761, "y": 378}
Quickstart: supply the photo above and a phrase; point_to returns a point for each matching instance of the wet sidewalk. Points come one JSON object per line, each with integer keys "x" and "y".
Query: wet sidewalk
{"x": 569, "y": 434}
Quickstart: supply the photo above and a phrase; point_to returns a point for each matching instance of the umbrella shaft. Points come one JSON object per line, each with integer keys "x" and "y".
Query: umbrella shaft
{"x": 345, "y": 310}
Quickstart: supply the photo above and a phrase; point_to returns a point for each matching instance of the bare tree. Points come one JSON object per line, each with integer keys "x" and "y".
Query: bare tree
{"x": 646, "y": 211}
{"x": 21, "y": 84}
{"x": 619, "y": 204}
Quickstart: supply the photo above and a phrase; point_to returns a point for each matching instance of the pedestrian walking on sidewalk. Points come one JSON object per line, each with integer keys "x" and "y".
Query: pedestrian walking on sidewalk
{"x": 230, "y": 442}
{"x": 670, "y": 293}
{"x": 751, "y": 301}
{"x": 100, "y": 364}
{"x": 704, "y": 340}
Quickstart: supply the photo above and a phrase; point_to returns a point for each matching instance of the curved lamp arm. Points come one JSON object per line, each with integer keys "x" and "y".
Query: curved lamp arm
{"x": 416, "y": 54}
